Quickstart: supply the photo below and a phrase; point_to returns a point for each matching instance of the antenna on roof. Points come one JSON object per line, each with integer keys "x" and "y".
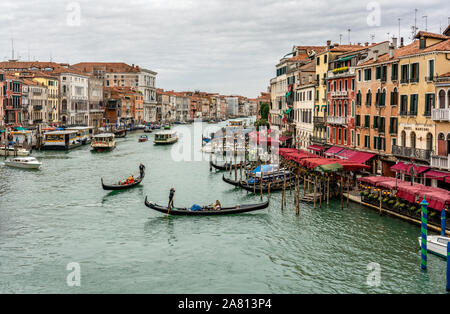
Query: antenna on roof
{"x": 415, "y": 22}
{"x": 349, "y": 30}
{"x": 426, "y": 22}
{"x": 399, "y": 19}
{"x": 372, "y": 37}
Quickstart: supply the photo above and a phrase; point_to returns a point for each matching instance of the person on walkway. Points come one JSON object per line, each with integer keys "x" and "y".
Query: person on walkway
{"x": 171, "y": 194}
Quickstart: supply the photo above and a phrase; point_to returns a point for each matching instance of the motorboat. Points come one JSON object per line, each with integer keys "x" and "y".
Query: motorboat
{"x": 9, "y": 151}
{"x": 24, "y": 162}
{"x": 437, "y": 245}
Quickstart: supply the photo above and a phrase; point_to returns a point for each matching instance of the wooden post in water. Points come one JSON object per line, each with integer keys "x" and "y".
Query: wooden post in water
{"x": 448, "y": 267}
{"x": 342, "y": 192}
{"x": 379, "y": 195}
{"x": 284, "y": 187}
{"x": 315, "y": 189}
{"x": 443, "y": 222}
{"x": 261, "y": 183}
{"x": 328, "y": 191}
{"x": 297, "y": 191}
{"x": 210, "y": 162}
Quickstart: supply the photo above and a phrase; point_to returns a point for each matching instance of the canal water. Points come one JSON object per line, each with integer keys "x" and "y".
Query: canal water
{"x": 60, "y": 215}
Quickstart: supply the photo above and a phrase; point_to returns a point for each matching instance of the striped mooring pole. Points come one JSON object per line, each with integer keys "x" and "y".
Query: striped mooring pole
{"x": 448, "y": 266}
{"x": 443, "y": 222}
{"x": 423, "y": 252}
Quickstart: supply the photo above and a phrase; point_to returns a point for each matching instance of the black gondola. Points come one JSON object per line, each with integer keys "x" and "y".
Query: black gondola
{"x": 125, "y": 186}
{"x": 207, "y": 212}
{"x": 265, "y": 188}
{"x": 226, "y": 166}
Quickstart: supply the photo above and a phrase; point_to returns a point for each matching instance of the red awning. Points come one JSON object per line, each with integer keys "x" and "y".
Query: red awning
{"x": 333, "y": 151}
{"x": 345, "y": 154}
{"x": 438, "y": 175}
{"x": 361, "y": 157}
{"x": 284, "y": 138}
{"x": 375, "y": 180}
{"x": 316, "y": 148}
{"x": 406, "y": 168}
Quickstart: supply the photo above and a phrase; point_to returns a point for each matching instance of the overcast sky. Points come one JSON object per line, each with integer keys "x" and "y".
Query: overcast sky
{"x": 225, "y": 46}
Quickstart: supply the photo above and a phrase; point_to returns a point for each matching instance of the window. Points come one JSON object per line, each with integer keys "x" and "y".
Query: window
{"x": 378, "y": 73}
{"x": 429, "y": 141}
{"x": 353, "y": 84}
{"x": 430, "y": 70}
{"x": 325, "y": 59}
{"x": 413, "y": 105}
{"x": 393, "y": 125}
{"x": 422, "y": 43}
{"x": 403, "y": 138}
{"x": 318, "y": 60}
{"x": 358, "y": 120}
{"x": 394, "y": 72}
{"x": 367, "y": 74}
{"x": 358, "y": 98}
{"x": 394, "y": 97}
{"x": 367, "y": 141}
{"x": 413, "y": 140}
{"x": 367, "y": 121}
{"x": 429, "y": 104}
{"x": 405, "y": 71}
{"x": 404, "y": 105}
{"x": 359, "y": 75}
{"x": 358, "y": 139}
{"x": 414, "y": 73}
{"x": 369, "y": 98}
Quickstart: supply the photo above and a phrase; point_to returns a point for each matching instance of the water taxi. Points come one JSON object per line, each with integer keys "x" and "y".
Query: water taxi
{"x": 10, "y": 151}
{"x": 103, "y": 142}
{"x": 235, "y": 123}
{"x": 61, "y": 140}
{"x": 143, "y": 138}
{"x": 437, "y": 245}
{"x": 84, "y": 133}
{"x": 165, "y": 138}
{"x": 24, "y": 162}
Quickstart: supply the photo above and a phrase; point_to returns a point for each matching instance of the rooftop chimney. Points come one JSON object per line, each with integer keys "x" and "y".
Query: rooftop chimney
{"x": 401, "y": 42}
{"x": 391, "y": 51}
{"x": 359, "y": 44}
{"x": 375, "y": 57}
{"x": 394, "y": 42}
{"x": 328, "y": 44}
{"x": 366, "y": 44}
{"x": 336, "y": 44}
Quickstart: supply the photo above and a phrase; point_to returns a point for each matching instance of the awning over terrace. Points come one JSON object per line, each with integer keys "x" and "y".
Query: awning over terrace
{"x": 316, "y": 148}
{"x": 333, "y": 151}
{"x": 406, "y": 168}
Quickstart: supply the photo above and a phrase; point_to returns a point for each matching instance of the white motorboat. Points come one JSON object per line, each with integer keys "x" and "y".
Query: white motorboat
{"x": 24, "y": 162}
{"x": 437, "y": 245}
{"x": 10, "y": 151}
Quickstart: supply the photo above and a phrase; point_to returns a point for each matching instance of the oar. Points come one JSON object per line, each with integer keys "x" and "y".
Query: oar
{"x": 170, "y": 205}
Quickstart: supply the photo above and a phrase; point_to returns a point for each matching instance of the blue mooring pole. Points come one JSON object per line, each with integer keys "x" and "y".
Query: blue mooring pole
{"x": 448, "y": 266}
{"x": 443, "y": 222}
{"x": 423, "y": 252}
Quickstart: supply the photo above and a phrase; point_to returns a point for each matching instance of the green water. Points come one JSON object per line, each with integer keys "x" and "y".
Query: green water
{"x": 60, "y": 214}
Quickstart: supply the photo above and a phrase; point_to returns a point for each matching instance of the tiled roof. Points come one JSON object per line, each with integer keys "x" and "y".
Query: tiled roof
{"x": 109, "y": 67}
{"x": 431, "y": 35}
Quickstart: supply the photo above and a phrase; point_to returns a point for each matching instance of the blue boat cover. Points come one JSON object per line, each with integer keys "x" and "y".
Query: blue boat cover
{"x": 196, "y": 207}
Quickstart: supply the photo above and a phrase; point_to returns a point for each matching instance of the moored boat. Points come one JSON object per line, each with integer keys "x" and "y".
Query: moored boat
{"x": 61, "y": 140}
{"x": 103, "y": 142}
{"x": 165, "y": 138}
{"x": 206, "y": 210}
{"x": 120, "y": 133}
{"x": 437, "y": 245}
{"x": 10, "y": 151}
{"x": 24, "y": 162}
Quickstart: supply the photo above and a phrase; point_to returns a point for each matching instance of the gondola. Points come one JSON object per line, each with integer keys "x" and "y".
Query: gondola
{"x": 265, "y": 188}
{"x": 125, "y": 186}
{"x": 207, "y": 212}
{"x": 226, "y": 166}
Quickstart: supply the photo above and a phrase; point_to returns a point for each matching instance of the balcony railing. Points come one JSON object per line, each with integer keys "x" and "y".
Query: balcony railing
{"x": 37, "y": 107}
{"x": 318, "y": 120}
{"x": 441, "y": 162}
{"x": 440, "y": 114}
{"x": 404, "y": 81}
{"x": 337, "y": 120}
{"x": 318, "y": 140}
{"x": 409, "y": 152}
{"x": 414, "y": 80}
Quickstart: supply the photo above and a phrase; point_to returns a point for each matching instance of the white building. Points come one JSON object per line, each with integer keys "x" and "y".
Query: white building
{"x": 303, "y": 115}
{"x": 232, "y": 106}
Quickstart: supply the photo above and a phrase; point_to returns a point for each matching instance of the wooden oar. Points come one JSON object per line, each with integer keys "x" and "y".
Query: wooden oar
{"x": 170, "y": 205}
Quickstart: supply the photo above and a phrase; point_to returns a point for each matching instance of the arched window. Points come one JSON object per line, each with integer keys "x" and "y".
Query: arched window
{"x": 383, "y": 98}
{"x": 345, "y": 109}
{"x": 334, "y": 108}
{"x": 429, "y": 141}
{"x": 340, "y": 109}
{"x": 369, "y": 98}
{"x": 413, "y": 140}
{"x": 441, "y": 99}
{"x": 403, "y": 138}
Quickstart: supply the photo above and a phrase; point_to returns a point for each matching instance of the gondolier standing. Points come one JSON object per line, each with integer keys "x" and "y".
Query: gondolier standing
{"x": 171, "y": 194}
{"x": 141, "y": 169}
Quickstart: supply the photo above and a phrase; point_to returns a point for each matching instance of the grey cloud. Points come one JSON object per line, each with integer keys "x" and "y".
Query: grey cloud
{"x": 223, "y": 46}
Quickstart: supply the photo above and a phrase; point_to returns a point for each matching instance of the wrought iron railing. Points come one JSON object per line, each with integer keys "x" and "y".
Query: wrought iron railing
{"x": 410, "y": 152}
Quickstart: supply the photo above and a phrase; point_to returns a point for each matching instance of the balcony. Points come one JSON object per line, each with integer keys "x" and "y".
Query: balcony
{"x": 339, "y": 93}
{"x": 441, "y": 162}
{"x": 440, "y": 114}
{"x": 318, "y": 140}
{"x": 404, "y": 81}
{"x": 409, "y": 152}
{"x": 337, "y": 120}
{"x": 37, "y": 107}
{"x": 318, "y": 120}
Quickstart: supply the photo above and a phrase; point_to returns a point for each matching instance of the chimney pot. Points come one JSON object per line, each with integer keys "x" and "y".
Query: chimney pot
{"x": 401, "y": 42}
{"x": 391, "y": 51}
{"x": 366, "y": 44}
{"x": 394, "y": 42}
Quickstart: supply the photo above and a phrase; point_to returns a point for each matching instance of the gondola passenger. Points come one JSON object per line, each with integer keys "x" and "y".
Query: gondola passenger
{"x": 218, "y": 205}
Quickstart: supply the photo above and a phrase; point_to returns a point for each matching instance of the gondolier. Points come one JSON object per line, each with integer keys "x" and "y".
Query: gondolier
{"x": 141, "y": 170}
{"x": 171, "y": 194}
